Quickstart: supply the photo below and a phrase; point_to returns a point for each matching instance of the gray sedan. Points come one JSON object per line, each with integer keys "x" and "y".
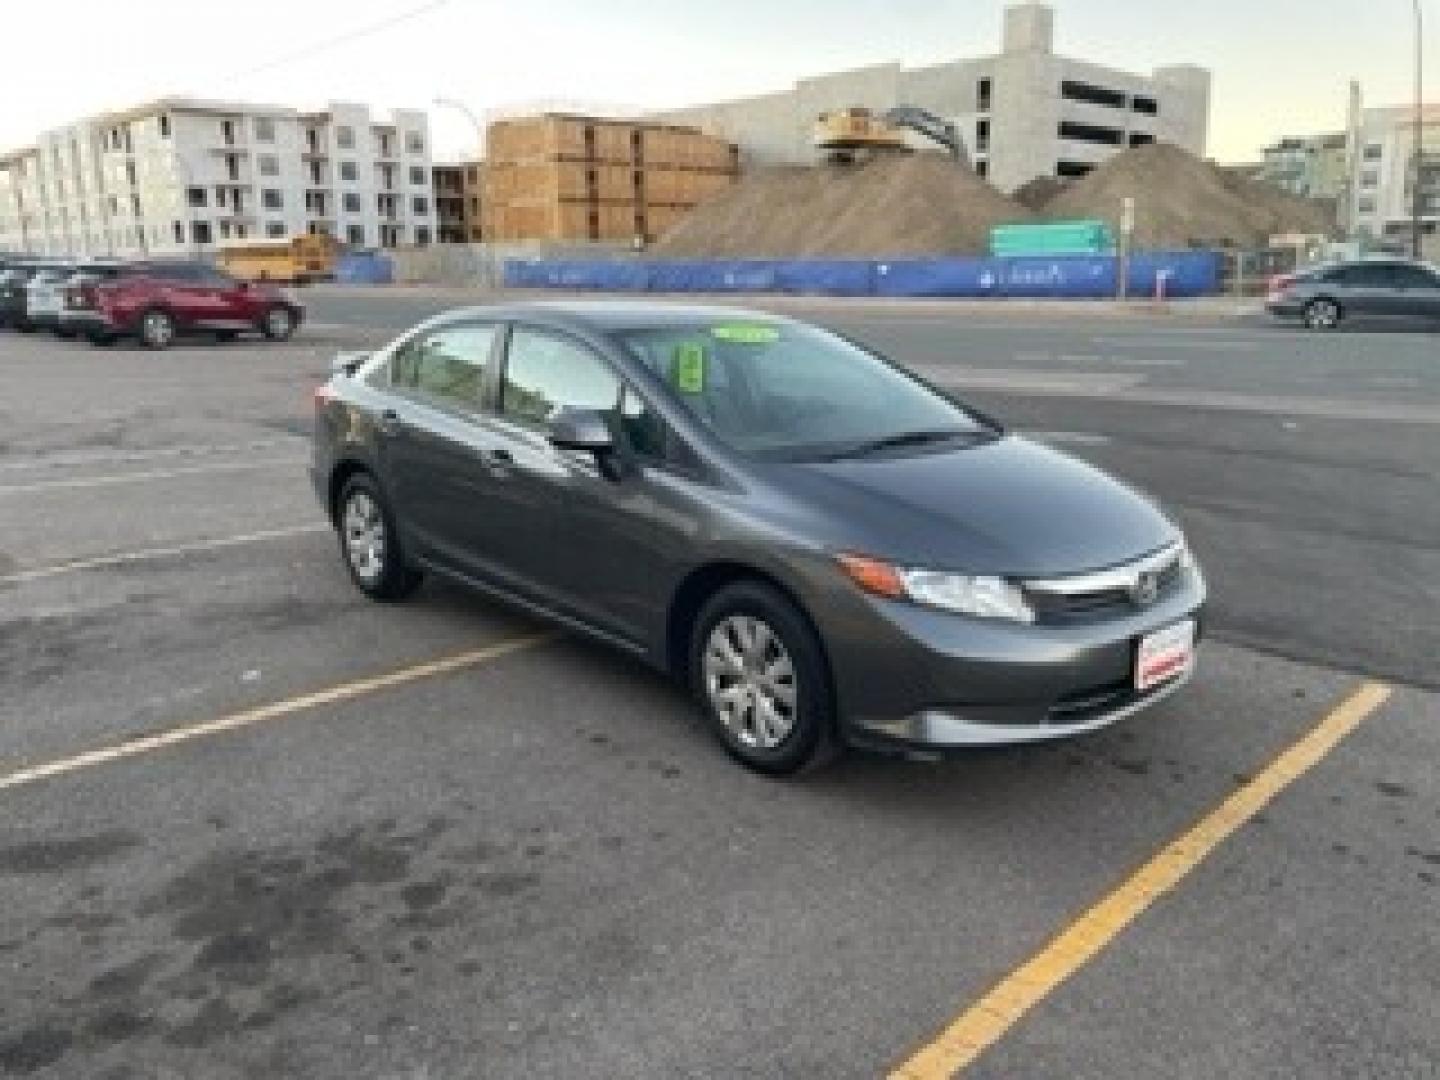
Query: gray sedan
{"x": 827, "y": 550}
{"x": 1372, "y": 289}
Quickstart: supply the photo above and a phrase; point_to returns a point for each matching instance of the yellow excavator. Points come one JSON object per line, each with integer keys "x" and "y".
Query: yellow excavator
{"x": 842, "y": 133}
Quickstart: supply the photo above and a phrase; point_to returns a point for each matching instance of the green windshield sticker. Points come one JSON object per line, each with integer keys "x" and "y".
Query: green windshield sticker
{"x": 741, "y": 334}
{"x": 687, "y": 367}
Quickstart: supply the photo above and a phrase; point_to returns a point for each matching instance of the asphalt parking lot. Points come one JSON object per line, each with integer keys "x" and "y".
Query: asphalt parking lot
{"x": 256, "y": 826}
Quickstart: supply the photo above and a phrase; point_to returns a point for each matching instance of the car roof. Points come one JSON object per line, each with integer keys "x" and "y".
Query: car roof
{"x": 611, "y": 315}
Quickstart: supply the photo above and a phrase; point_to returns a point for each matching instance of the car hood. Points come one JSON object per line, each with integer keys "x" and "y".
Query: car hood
{"x": 1009, "y": 507}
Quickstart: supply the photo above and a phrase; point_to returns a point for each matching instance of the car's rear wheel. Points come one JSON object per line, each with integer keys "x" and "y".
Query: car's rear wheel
{"x": 370, "y": 543}
{"x": 759, "y": 674}
{"x": 1322, "y": 314}
{"x": 157, "y": 329}
{"x": 278, "y": 323}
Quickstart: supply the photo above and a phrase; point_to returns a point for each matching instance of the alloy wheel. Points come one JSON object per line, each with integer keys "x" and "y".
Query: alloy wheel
{"x": 750, "y": 681}
{"x": 1322, "y": 315}
{"x": 364, "y": 527}
{"x": 277, "y": 323}
{"x": 158, "y": 328}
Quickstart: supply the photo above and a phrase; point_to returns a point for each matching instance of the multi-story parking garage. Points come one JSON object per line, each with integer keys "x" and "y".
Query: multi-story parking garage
{"x": 181, "y": 175}
{"x": 1023, "y": 112}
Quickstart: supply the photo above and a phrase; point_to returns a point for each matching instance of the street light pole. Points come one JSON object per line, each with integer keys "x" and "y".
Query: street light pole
{"x": 1417, "y": 205}
{"x": 461, "y": 107}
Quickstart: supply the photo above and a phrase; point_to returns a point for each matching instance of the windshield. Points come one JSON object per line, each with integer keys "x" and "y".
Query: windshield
{"x": 785, "y": 392}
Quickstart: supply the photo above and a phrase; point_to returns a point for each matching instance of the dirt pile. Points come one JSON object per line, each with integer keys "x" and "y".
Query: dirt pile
{"x": 893, "y": 204}
{"x": 1182, "y": 201}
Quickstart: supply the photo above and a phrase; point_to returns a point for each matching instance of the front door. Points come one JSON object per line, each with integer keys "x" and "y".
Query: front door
{"x": 1417, "y": 292}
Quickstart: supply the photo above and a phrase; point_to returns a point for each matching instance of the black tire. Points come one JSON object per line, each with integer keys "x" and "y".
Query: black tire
{"x": 391, "y": 579}
{"x": 811, "y": 739}
{"x": 278, "y": 323}
{"x": 224, "y": 337}
{"x": 156, "y": 328}
{"x": 1322, "y": 313}
{"x": 25, "y": 326}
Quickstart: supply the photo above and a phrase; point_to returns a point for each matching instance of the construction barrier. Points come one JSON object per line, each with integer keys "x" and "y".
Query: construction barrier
{"x": 1175, "y": 275}
{"x": 363, "y": 268}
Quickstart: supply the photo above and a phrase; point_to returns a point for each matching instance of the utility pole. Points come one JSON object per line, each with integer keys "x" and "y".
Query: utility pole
{"x": 1417, "y": 205}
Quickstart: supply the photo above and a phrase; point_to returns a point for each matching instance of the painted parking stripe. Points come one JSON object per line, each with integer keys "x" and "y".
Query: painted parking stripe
{"x": 986, "y": 1021}
{"x": 141, "y": 477}
{"x": 132, "y": 457}
{"x": 103, "y": 562}
{"x": 334, "y": 695}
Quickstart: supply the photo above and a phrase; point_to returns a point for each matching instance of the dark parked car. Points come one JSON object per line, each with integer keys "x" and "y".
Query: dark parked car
{"x": 13, "y": 281}
{"x": 827, "y": 549}
{"x": 1323, "y": 297}
{"x": 160, "y": 300}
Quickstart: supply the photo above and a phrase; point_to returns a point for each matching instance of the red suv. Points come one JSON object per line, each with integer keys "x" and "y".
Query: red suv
{"x": 158, "y": 301}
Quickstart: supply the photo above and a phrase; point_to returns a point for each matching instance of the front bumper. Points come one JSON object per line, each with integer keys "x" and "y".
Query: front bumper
{"x": 911, "y": 677}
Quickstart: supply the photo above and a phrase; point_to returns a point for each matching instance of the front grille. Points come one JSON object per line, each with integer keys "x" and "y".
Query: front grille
{"x": 1055, "y": 605}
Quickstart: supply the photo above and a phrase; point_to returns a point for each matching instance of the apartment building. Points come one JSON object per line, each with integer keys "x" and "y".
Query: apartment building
{"x": 1317, "y": 167}
{"x": 181, "y": 175}
{"x": 1023, "y": 112}
{"x": 1380, "y": 203}
{"x": 457, "y": 203}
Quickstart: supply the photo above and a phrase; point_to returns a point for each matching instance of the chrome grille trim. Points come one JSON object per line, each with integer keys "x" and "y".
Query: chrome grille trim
{"x": 1116, "y": 579}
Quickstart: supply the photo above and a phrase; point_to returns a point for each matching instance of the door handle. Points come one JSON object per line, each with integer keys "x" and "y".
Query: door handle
{"x": 390, "y": 423}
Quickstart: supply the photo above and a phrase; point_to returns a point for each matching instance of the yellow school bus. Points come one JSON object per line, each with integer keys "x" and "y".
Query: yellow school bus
{"x": 293, "y": 259}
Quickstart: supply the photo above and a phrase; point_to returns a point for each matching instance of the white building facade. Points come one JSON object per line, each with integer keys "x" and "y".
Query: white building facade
{"x": 1380, "y": 202}
{"x": 1024, "y": 112}
{"x": 179, "y": 176}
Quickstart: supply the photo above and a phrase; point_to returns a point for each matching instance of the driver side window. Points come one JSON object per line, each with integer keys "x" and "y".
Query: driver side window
{"x": 545, "y": 373}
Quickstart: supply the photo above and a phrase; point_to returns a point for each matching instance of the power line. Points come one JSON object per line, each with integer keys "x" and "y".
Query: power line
{"x": 341, "y": 39}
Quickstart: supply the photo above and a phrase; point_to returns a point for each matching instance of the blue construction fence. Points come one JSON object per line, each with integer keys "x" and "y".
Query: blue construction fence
{"x": 364, "y": 268}
{"x": 1184, "y": 274}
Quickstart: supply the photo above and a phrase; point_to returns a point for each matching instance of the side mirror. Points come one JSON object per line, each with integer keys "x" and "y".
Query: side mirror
{"x": 581, "y": 429}
{"x": 347, "y": 363}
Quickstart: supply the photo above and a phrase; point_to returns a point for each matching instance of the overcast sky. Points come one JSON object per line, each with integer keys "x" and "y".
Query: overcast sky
{"x": 1281, "y": 66}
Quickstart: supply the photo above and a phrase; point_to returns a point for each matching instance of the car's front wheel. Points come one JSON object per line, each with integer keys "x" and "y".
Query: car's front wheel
{"x": 157, "y": 329}
{"x": 278, "y": 323}
{"x": 759, "y": 674}
{"x": 1322, "y": 314}
{"x": 370, "y": 543}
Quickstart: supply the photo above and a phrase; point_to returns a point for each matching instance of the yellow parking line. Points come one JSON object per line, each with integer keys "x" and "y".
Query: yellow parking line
{"x": 986, "y": 1021}
{"x": 146, "y": 744}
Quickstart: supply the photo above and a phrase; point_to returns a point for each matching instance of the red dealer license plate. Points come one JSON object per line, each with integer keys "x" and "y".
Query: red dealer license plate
{"x": 1164, "y": 655}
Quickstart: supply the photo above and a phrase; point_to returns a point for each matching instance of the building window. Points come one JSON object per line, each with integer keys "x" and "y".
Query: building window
{"x": 414, "y": 142}
{"x": 1370, "y": 178}
{"x": 422, "y": 236}
{"x": 982, "y": 136}
{"x": 1075, "y": 90}
{"x": 420, "y": 206}
{"x": 983, "y": 91}
{"x": 348, "y": 172}
{"x": 227, "y": 132}
{"x": 1141, "y": 138}
{"x": 220, "y": 196}
{"x": 982, "y": 167}
{"x": 1071, "y": 169}
{"x": 164, "y": 126}
{"x": 417, "y": 176}
{"x": 1366, "y": 205}
{"x": 195, "y": 196}
{"x": 179, "y": 233}
{"x": 264, "y": 129}
{"x": 345, "y": 137}
{"x": 1147, "y": 105}
{"x": 269, "y": 165}
{"x": 240, "y": 231}
{"x": 225, "y": 230}
{"x": 1374, "y": 152}
{"x": 272, "y": 199}
{"x": 355, "y": 235}
{"x": 275, "y": 229}
{"x": 1091, "y": 133}
{"x": 200, "y": 232}
{"x": 352, "y": 203}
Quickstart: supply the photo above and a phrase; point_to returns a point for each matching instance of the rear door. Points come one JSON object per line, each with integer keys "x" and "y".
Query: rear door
{"x": 1366, "y": 290}
{"x": 433, "y": 446}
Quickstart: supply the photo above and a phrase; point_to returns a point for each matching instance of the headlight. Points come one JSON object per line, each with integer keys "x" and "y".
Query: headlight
{"x": 984, "y": 596}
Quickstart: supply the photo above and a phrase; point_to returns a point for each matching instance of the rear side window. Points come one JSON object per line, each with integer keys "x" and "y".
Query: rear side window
{"x": 1412, "y": 277}
{"x": 447, "y": 363}
{"x": 545, "y": 373}
{"x": 1368, "y": 275}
